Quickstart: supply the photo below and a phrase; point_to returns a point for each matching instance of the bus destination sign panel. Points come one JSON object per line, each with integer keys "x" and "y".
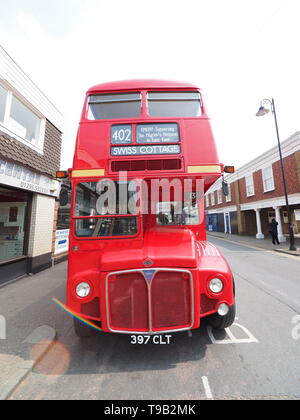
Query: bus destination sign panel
{"x": 170, "y": 149}
{"x": 157, "y": 133}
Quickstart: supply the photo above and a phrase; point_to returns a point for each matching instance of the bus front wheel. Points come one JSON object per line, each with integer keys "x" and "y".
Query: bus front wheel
{"x": 221, "y": 322}
{"x": 82, "y": 330}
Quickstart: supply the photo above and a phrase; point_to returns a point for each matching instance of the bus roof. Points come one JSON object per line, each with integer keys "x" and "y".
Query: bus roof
{"x": 139, "y": 84}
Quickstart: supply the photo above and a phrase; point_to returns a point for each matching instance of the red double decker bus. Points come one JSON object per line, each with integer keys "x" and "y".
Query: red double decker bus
{"x": 139, "y": 262}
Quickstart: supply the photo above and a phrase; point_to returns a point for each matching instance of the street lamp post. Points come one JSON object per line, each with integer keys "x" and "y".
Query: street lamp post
{"x": 261, "y": 112}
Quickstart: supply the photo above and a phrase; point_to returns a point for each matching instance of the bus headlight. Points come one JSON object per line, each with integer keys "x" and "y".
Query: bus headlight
{"x": 83, "y": 290}
{"x": 216, "y": 285}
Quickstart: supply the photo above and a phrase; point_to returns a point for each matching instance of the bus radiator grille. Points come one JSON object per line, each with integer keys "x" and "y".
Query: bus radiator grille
{"x": 139, "y": 304}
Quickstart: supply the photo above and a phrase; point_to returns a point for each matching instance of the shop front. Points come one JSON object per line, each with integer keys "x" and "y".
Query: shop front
{"x": 15, "y": 208}
{"x": 26, "y": 220}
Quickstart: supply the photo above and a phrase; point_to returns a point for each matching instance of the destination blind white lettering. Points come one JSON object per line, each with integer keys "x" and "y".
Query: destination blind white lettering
{"x": 157, "y": 133}
{"x": 170, "y": 149}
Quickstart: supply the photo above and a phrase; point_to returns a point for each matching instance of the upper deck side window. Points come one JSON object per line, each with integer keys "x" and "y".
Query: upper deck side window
{"x": 114, "y": 106}
{"x": 174, "y": 104}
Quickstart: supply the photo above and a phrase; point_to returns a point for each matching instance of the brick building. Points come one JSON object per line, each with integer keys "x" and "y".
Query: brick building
{"x": 30, "y": 149}
{"x": 257, "y": 195}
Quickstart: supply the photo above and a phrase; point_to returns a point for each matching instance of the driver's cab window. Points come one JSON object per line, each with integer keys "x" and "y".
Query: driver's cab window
{"x": 176, "y": 213}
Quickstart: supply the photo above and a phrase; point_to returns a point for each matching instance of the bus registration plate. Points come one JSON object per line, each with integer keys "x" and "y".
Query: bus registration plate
{"x": 154, "y": 339}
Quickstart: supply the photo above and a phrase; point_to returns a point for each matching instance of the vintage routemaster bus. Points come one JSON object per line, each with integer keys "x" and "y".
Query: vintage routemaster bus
{"x": 148, "y": 269}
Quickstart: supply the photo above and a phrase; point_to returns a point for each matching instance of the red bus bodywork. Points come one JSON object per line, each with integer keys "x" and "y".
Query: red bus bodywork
{"x": 157, "y": 280}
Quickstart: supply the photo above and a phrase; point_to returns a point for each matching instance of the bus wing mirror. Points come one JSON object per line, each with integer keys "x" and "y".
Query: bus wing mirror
{"x": 61, "y": 174}
{"x": 63, "y": 197}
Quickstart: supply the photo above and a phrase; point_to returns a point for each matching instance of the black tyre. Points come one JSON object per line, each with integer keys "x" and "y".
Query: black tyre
{"x": 221, "y": 322}
{"x": 82, "y": 330}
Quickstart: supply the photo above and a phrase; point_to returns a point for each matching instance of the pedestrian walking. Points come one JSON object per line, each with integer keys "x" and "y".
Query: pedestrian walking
{"x": 274, "y": 232}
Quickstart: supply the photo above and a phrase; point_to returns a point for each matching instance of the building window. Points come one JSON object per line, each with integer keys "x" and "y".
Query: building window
{"x": 18, "y": 120}
{"x": 212, "y": 199}
{"x": 3, "y": 97}
{"x": 13, "y": 213}
{"x": 24, "y": 122}
{"x": 268, "y": 179}
{"x": 207, "y": 200}
{"x": 219, "y": 193}
{"x": 249, "y": 185}
{"x": 228, "y": 197}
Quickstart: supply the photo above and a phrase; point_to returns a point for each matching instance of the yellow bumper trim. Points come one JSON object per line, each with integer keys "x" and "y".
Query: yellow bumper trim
{"x": 208, "y": 169}
{"x": 86, "y": 173}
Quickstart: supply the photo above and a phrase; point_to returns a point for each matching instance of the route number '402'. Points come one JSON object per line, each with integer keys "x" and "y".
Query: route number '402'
{"x": 121, "y": 134}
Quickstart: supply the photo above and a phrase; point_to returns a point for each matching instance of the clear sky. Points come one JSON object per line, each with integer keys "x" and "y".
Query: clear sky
{"x": 237, "y": 51}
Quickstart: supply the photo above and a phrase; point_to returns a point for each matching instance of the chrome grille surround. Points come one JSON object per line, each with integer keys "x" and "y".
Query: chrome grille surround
{"x": 141, "y": 271}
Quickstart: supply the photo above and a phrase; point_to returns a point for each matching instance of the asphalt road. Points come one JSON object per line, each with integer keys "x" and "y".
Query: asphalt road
{"x": 258, "y": 359}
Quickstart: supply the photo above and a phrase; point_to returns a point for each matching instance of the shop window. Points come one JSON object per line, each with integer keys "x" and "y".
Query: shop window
{"x": 13, "y": 206}
{"x": 13, "y": 214}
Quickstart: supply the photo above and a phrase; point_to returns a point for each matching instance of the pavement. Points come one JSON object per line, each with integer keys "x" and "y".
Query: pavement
{"x": 30, "y": 325}
{"x": 265, "y": 243}
{"x": 257, "y": 358}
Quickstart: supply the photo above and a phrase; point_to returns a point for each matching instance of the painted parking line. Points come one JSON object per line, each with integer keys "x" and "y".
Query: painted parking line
{"x": 207, "y": 389}
{"x": 232, "y": 338}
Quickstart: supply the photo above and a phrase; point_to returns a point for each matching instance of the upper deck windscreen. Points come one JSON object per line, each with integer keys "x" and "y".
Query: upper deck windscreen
{"x": 159, "y": 104}
{"x": 114, "y": 106}
{"x": 174, "y": 104}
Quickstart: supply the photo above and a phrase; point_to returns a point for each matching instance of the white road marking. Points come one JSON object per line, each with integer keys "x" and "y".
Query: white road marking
{"x": 190, "y": 334}
{"x": 208, "y": 392}
{"x": 232, "y": 338}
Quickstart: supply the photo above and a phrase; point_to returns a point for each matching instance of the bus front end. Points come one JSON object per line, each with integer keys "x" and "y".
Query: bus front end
{"x": 139, "y": 261}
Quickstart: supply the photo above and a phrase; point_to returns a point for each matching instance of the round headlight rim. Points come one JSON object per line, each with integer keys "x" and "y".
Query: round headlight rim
{"x": 209, "y": 285}
{"x": 90, "y": 290}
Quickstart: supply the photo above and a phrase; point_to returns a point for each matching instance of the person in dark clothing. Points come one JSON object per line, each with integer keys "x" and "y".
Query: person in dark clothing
{"x": 274, "y": 232}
